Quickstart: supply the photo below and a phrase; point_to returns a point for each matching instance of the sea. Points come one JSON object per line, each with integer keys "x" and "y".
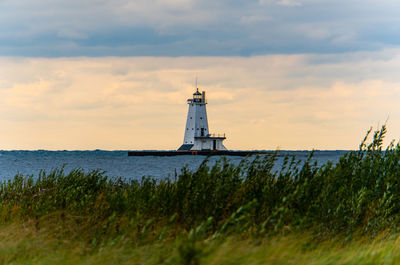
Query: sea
{"x": 117, "y": 164}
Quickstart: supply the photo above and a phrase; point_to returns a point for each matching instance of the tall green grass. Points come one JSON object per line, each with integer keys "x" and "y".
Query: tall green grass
{"x": 360, "y": 195}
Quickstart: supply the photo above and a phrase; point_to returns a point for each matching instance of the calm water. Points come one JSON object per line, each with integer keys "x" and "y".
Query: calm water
{"x": 118, "y": 164}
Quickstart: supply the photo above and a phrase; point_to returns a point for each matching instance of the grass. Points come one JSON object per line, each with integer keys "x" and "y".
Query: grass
{"x": 21, "y": 244}
{"x": 304, "y": 213}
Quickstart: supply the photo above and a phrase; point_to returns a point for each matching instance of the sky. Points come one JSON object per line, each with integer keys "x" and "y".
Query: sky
{"x": 279, "y": 74}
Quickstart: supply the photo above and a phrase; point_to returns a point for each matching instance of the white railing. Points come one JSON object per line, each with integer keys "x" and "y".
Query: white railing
{"x": 217, "y": 135}
{"x": 190, "y": 100}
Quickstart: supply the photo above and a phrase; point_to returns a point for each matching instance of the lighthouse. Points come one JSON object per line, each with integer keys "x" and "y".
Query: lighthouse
{"x": 198, "y": 140}
{"x": 197, "y": 136}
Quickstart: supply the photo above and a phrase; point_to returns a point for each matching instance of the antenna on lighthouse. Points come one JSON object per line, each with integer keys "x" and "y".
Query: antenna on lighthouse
{"x": 196, "y": 82}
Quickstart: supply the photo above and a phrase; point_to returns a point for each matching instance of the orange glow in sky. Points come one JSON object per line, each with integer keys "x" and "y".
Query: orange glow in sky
{"x": 260, "y": 102}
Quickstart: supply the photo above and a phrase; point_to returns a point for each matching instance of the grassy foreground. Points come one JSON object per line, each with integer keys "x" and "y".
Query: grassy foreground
{"x": 21, "y": 244}
{"x": 304, "y": 213}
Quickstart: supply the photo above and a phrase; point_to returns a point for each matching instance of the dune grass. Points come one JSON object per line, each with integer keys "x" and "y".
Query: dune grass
{"x": 304, "y": 213}
{"x": 22, "y": 244}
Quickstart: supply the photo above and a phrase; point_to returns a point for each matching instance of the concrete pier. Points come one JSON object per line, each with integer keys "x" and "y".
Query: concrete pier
{"x": 201, "y": 152}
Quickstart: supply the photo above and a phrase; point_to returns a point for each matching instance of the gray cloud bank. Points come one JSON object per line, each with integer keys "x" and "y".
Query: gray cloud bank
{"x": 60, "y": 28}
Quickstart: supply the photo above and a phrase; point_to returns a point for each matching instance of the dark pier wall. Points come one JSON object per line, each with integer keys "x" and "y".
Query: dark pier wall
{"x": 203, "y": 152}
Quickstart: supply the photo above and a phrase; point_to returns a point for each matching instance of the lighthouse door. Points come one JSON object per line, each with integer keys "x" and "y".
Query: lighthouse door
{"x": 214, "y": 144}
{"x": 202, "y": 131}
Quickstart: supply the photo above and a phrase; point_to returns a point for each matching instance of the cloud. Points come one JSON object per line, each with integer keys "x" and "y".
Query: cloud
{"x": 254, "y": 19}
{"x": 59, "y": 28}
{"x": 292, "y": 101}
{"x": 288, "y": 3}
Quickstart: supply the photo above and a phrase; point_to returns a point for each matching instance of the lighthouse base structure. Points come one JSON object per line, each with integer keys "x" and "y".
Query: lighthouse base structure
{"x": 205, "y": 143}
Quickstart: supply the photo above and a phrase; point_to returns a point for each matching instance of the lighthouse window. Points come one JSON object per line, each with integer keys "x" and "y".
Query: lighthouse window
{"x": 201, "y": 118}
{"x": 190, "y": 117}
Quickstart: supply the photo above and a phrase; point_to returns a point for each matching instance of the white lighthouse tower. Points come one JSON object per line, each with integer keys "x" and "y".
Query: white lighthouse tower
{"x": 197, "y": 136}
